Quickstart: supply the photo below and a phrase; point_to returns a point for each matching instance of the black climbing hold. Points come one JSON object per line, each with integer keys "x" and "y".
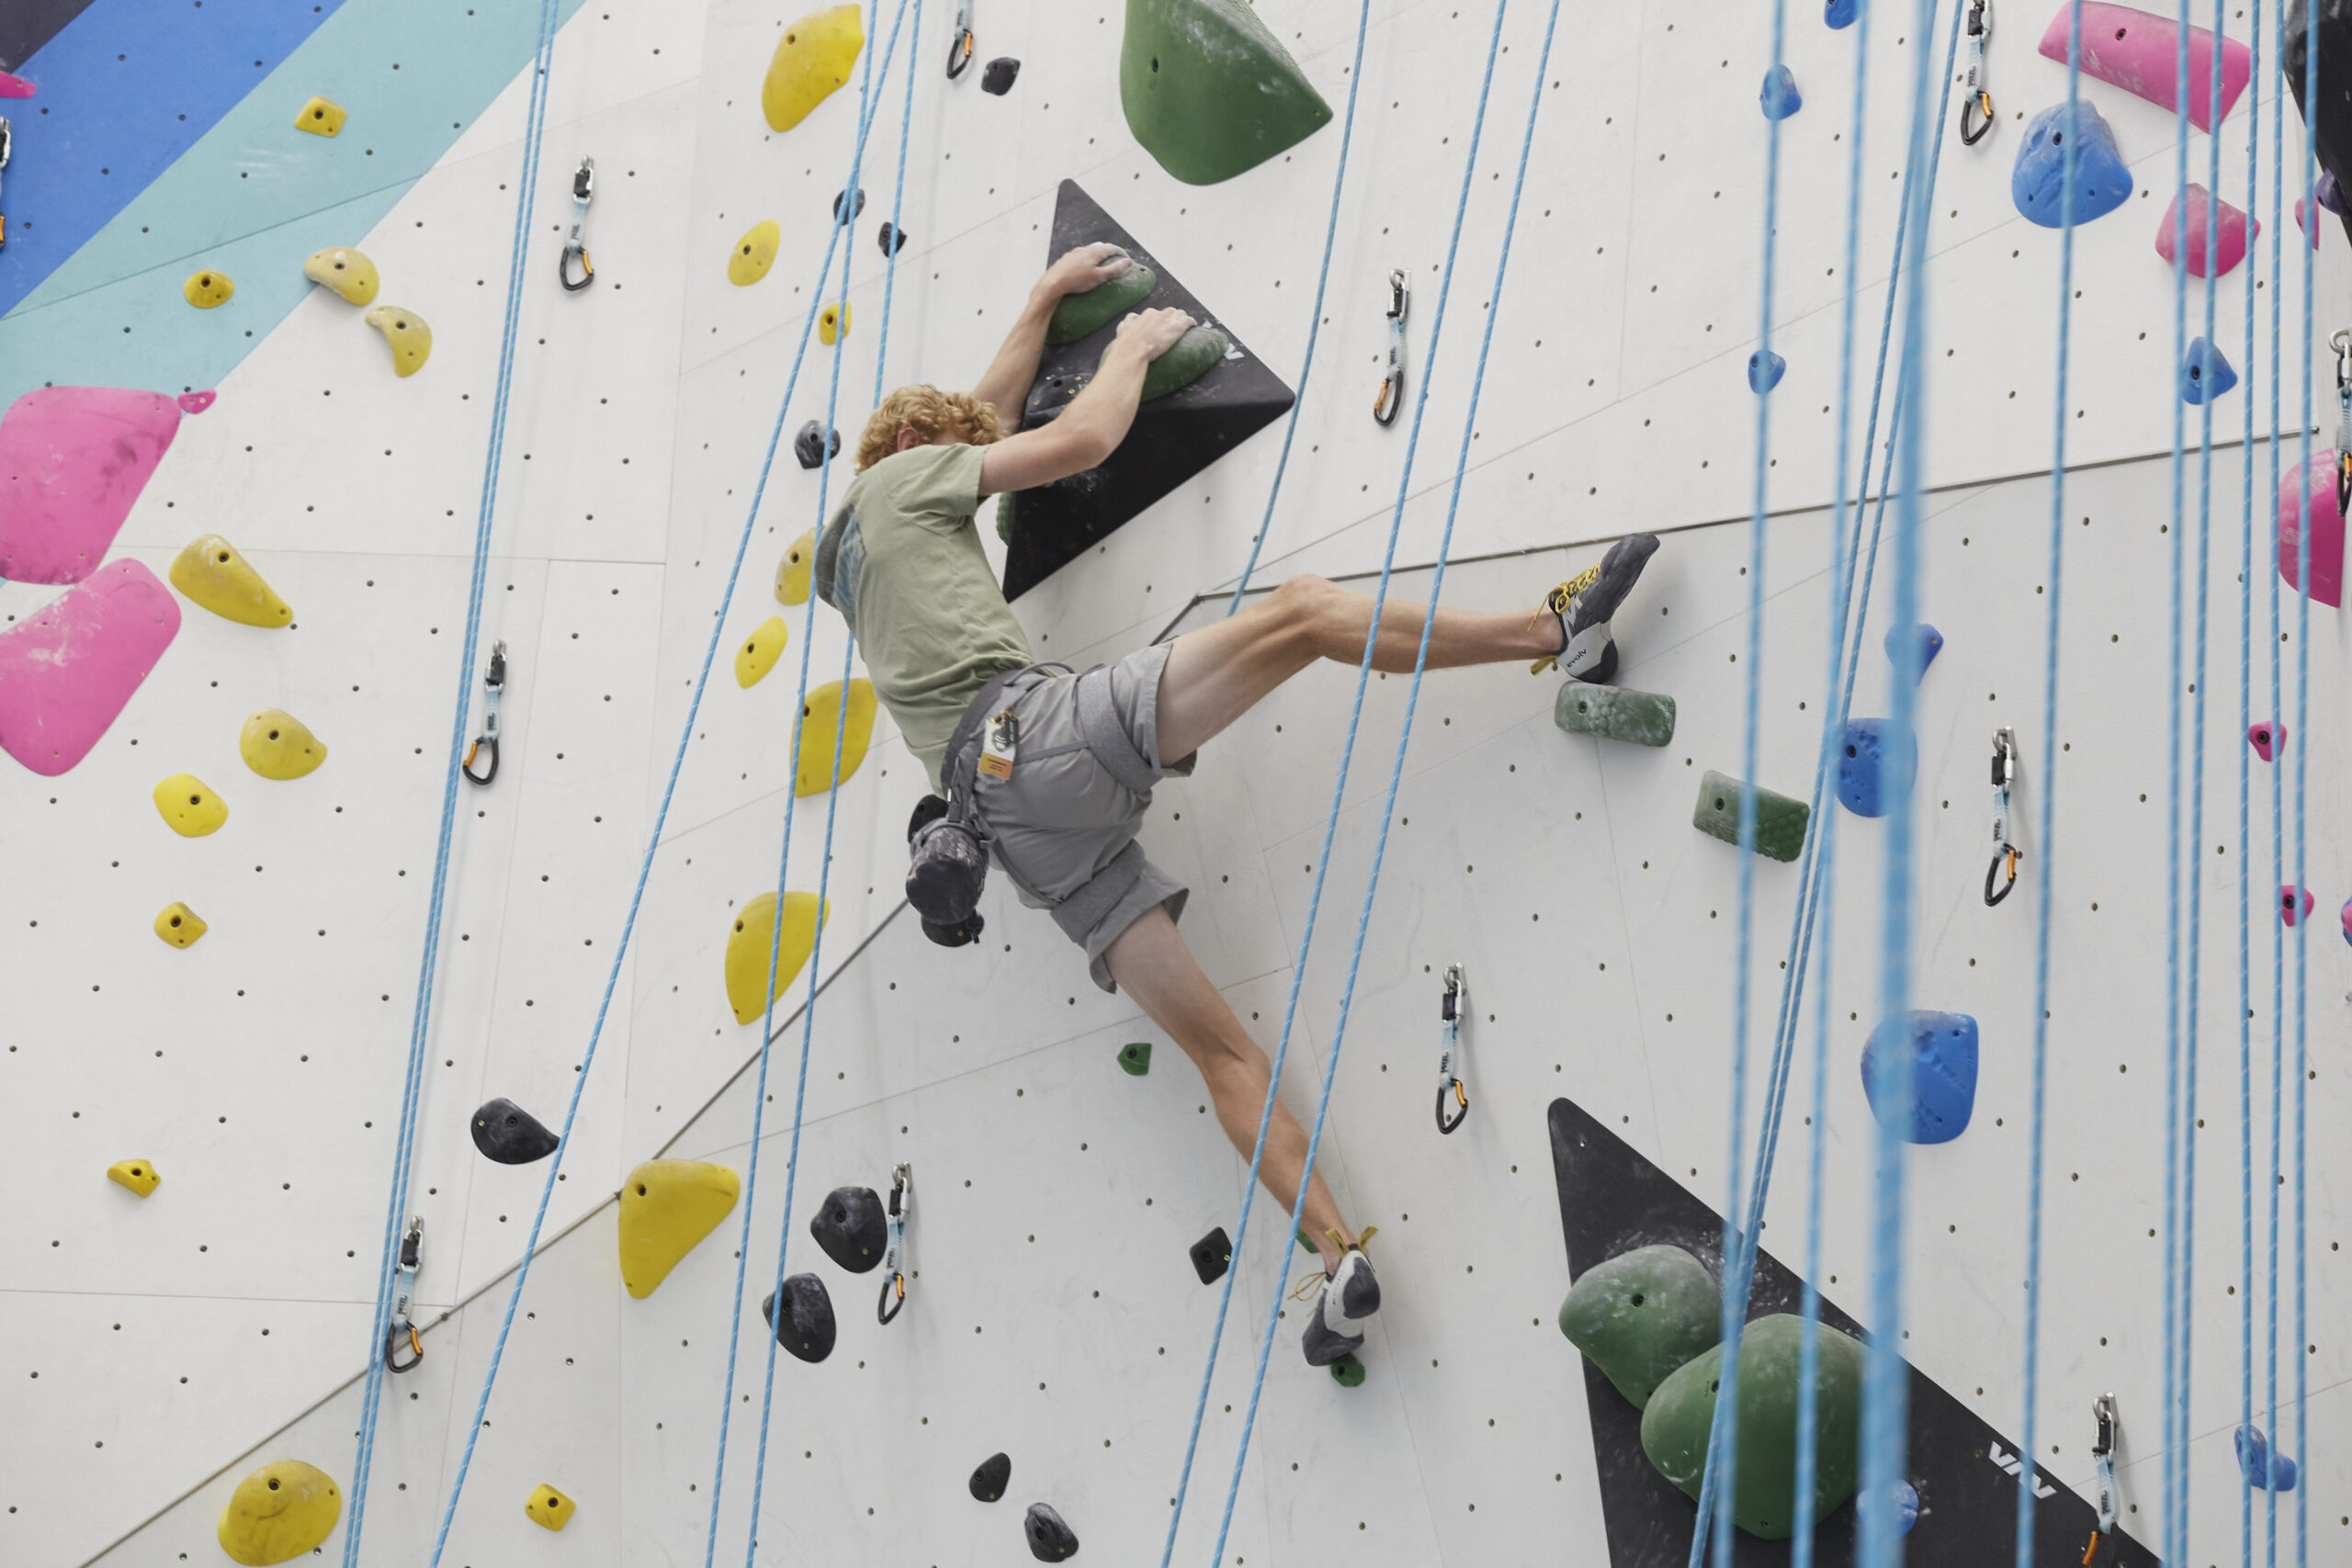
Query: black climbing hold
{"x": 806, "y": 1329}
{"x": 890, "y": 237}
{"x": 810, "y": 445}
{"x": 997, "y": 76}
{"x": 989, "y": 1480}
{"x": 1136, "y": 1059}
{"x": 850, "y": 1228}
{"x": 1348, "y": 1372}
{"x": 1174, "y": 438}
{"x": 1050, "y": 1541}
{"x": 1211, "y": 1254}
{"x": 2335, "y": 127}
{"x": 507, "y": 1133}
{"x": 860, "y": 205}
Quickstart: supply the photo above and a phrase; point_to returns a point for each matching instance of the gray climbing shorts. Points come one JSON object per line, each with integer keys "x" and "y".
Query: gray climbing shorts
{"x": 1063, "y": 824}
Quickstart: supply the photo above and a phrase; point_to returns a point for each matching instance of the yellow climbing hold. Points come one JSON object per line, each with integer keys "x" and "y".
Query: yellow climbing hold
{"x": 755, "y": 934}
{"x": 277, "y": 745}
{"x": 279, "y": 1512}
{"x": 811, "y": 61}
{"x": 207, "y": 288}
{"x": 833, "y": 323}
{"x": 668, "y": 1205}
{"x": 756, "y": 655}
{"x": 320, "y": 117}
{"x": 818, "y": 715}
{"x": 792, "y": 571}
{"x": 179, "y": 925}
{"x": 189, "y": 807}
{"x": 550, "y": 1508}
{"x": 211, "y": 572}
{"x": 411, "y": 339}
{"x": 139, "y": 1175}
{"x": 348, "y": 272}
{"x": 754, "y": 253}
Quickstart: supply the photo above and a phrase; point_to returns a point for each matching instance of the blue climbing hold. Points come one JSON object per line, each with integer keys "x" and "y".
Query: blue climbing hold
{"x": 1842, "y": 13}
{"x": 2206, "y": 374}
{"x": 2266, "y": 1470}
{"x": 1765, "y": 369}
{"x": 1874, "y": 771}
{"x": 2036, "y": 185}
{"x": 1906, "y": 1499}
{"x": 1931, "y": 642}
{"x": 1937, "y": 1052}
{"x": 1780, "y": 97}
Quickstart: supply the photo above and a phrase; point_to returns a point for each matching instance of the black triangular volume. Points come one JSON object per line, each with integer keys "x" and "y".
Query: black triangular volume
{"x": 2334, "y": 129}
{"x": 1612, "y": 1198}
{"x": 1174, "y": 438}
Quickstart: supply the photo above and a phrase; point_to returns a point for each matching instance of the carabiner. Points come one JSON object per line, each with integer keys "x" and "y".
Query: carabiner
{"x": 493, "y": 683}
{"x": 959, "y": 53}
{"x": 2004, "y": 773}
{"x": 1449, "y": 1085}
{"x": 404, "y": 1266}
{"x": 2342, "y": 344}
{"x": 1391, "y": 396}
{"x": 894, "y": 1282}
{"x": 1974, "y": 96}
{"x": 583, "y": 191}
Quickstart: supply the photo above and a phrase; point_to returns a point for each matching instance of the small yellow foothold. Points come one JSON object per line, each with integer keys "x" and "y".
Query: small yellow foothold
{"x": 756, "y": 654}
{"x": 279, "y": 1512}
{"x": 139, "y": 1175}
{"x": 793, "y": 571}
{"x": 833, "y": 323}
{"x": 211, "y": 572}
{"x": 189, "y": 806}
{"x": 818, "y": 715}
{"x": 320, "y": 117}
{"x": 668, "y": 1205}
{"x": 753, "y": 253}
{"x": 550, "y": 1508}
{"x": 756, "y": 933}
{"x": 207, "y": 288}
{"x": 810, "y": 62}
{"x": 180, "y": 925}
{"x": 411, "y": 339}
{"x": 348, "y": 272}
{"x": 277, "y": 745}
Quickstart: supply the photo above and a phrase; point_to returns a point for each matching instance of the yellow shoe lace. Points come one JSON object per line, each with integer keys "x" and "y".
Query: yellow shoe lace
{"x": 1557, "y": 603}
{"x": 1312, "y": 1281}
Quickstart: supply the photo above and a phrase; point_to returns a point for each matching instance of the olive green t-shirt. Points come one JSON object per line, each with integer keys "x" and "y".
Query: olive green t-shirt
{"x": 901, "y": 561}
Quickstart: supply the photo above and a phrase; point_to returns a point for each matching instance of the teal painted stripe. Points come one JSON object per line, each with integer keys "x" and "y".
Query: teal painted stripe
{"x": 255, "y": 195}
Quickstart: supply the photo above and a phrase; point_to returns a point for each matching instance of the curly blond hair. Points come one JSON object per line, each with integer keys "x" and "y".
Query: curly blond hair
{"x": 930, "y": 410}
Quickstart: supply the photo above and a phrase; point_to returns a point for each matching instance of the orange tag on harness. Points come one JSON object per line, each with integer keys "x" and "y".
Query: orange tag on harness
{"x": 998, "y": 746}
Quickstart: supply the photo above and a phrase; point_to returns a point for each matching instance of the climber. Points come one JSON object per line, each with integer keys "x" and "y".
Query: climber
{"x": 1049, "y": 772}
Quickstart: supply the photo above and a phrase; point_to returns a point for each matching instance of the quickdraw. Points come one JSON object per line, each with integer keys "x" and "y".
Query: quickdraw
{"x": 583, "y": 191}
{"x": 894, "y": 1282}
{"x": 2342, "y": 344}
{"x": 1980, "y": 33}
{"x": 4, "y": 165}
{"x": 493, "y": 683}
{"x": 1391, "y": 396}
{"x": 404, "y": 1301}
{"x": 2005, "y": 774}
{"x": 2103, "y": 1466}
{"x": 959, "y": 53}
{"x": 1449, "y": 1084}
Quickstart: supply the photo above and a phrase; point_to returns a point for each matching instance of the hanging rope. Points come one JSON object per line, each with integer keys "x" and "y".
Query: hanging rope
{"x": 2277, "y": 797}
{"x": 2245, "y": 725}
{"x": 2302, "y": 754}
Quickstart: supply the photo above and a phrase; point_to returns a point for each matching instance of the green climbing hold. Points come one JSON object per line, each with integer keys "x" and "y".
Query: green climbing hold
{"x": 1613, "y": 713}
{"x": 1348, "y": 1372}
{"x": 1305, "y": 1245}
{"x": 1641, "y": 1315}
{"x": 1676, "y": 1424}
{"x": 1208, "y": 90}
{"x": 1136, "y": 1059}
{"x": 1195, "y": 355}
{"x": 1079, "y": 314}
{"x": 1779, "y": 822}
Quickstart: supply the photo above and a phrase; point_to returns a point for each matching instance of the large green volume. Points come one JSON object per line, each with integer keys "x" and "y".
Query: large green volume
{"x": 1641, "y": 1315}
{"x": 1208, "y": 90}
{"x": 1779, "y": 822}
{"x": 1079, "y": 314}
{"x": 1644, "y": 718}
{"x": 1195, "y": 355}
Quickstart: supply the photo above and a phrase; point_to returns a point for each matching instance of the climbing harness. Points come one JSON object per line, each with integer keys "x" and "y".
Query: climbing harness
{"x": 493, "y": 683}
{"x": 2342, "y": 344}
{"x": 1448, "y": 1083}
{"x": 2005, "y": 774}
{"x": 894, "y": 1282}
{"x": 959, "y": 53}
{"x": 1980, "y": 33}
{"x": 2103, "y": 1464}
{"x": 3, "y": 166}
{"x": 583, "y": 191}
{"x": 404, "y": 1266}
{"x": 1391, "y": 396}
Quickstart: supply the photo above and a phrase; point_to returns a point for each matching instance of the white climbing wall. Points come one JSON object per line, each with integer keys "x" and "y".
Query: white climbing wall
{"x": 156, "y": 1351}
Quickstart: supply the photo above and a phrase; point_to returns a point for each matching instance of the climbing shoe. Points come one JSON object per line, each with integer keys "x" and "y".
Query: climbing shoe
{"x": 1343, "y": 1305}
{"x": 1583, "y": 605}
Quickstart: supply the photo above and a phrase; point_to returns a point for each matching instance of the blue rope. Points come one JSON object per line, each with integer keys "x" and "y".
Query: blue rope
{"x": 2303, "y": 753}
{"x": 1323, "y": 861}
{"x": 1315, "y": 319}
{"x": 411, "y": 1085}
{"x": 2278, "y": 810}
{"x": 2245, "y": 724}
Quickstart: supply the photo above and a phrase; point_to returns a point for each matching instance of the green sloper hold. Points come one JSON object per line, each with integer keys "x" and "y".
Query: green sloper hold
{"x": 1208, "y": 90}
{"x": 1195, "y": 355}
{"x": 1079, "y": 314}
{"x": 1641, "y": 1315}
{"x": 1779, "y": 822}
{"x": 1676, "y": 1424}
{"x": 1613, "y": 713}
{"x": 1135, "y": 1060}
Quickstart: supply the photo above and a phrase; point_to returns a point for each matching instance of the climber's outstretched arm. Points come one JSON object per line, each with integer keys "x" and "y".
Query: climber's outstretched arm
{"x": 1097, "y": 419}
{"x": 1006, "y": 382}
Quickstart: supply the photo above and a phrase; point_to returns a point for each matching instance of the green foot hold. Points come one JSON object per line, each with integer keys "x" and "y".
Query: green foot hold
{"x": 1079, "y": 314}
{"x": 1196, "y": 354}
{"x": 1348, "y": 1372}
{"x": 1304, "y": 1243}
{"x": 1135, "y": 1060}
{"x": 1208, "y": 90}
{"x": 1779, "y": 822}
{"x": 1641, "y": 1315}
{"x": 1676, "y": 1426}
{"x": 1612, "y": 713}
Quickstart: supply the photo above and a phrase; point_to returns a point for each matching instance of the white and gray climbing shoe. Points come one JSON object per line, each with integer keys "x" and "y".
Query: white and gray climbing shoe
{"x": 1343, "y": 1308}
{"x": 1583, "y": 606}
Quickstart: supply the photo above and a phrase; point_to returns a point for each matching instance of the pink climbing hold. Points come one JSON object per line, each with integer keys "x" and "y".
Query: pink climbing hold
{"x": 2268, "y": 739}
{"x": 14, "y": 86}
{"x": 196, "y": 403}
{"x": 67, "y": 670}
{"x": 2317, "y": 480}
{"x": 71, "y": 461}
{"x": 2308, "y": 229}
{"x": 2140, "y": 53}
{"x": 2289, "y": 898}
{"x": 2346, "y": 917}
{"x": 2229, "y": 239}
